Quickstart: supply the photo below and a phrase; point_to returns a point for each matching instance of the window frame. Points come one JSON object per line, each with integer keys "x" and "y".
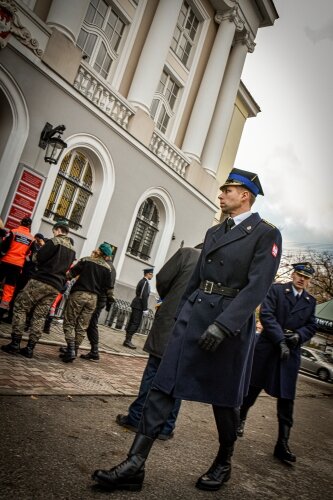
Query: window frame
{"x": 163, "y": 101}
{"x": 184, "y": 35}
{"x": 66, "y": 180}
{"x": 146, "y": 225}
{"x": 102, "y": 39}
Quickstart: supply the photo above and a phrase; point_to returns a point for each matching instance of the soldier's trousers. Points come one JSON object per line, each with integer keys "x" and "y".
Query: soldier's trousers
{"x": 158, "y": 406}
{"x": 37, "y": 297}
{"x": 285, "y": 407}
{"x": 78, "y": 311}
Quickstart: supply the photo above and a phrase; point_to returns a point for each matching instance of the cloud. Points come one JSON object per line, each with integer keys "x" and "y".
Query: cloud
{"x": 319, "y": 34}
{"x": 298, "y": 206}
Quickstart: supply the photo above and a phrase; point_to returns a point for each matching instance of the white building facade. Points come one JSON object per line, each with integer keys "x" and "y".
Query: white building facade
{"x": 146, "y": 90}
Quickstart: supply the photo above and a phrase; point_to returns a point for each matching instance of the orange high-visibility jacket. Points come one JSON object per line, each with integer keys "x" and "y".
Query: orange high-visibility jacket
{"x": 19, "y": 247}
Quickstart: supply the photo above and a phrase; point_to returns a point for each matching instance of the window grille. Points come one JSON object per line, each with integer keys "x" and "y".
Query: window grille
{"x": 71, "y": 191}
{"x": 162, "y": 108}
{"x": 144, "y": 231}
{"x": 184, "y": 36}
{"x": 101, "y": 35}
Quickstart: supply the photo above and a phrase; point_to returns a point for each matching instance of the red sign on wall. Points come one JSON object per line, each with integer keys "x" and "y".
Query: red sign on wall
{"x": 25, "y": 197}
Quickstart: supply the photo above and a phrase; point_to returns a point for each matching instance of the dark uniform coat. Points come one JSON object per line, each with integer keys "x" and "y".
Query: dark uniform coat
{"x": 171, "y": 283}
{"x": 280, "y": 311}
{"x": 138, "y": 305}
{"x": 245, "y": 258}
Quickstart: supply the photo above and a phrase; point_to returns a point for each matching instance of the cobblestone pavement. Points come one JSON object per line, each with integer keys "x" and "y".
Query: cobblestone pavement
{"x": 118, "y": 372}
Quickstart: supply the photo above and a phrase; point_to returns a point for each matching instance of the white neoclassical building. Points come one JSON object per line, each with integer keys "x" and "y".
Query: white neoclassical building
{"x": 151, "y": 98}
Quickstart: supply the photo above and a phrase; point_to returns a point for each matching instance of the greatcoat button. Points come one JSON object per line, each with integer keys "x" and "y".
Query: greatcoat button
{"x": 209, "y": 261}
{"x": 199, "y": 300}
{"x": 212, "y": 304}
{"x": 221, "y": 262}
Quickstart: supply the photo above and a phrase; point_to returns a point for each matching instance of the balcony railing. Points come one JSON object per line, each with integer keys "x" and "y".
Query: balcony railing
{"x": 169, "y": 153}
{"x": 89, "y": 84}
{"x": 94, "y": 88}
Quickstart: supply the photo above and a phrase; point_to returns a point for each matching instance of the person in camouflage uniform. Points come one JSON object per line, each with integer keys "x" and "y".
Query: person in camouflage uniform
{"x": 53, "y": 260}
{"x": 93, "y": 279}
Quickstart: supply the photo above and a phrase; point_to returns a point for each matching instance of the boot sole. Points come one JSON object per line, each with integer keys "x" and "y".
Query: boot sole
{"x": 206, "y": 487}
{"x": 285, "y": 460}
{"x": 113, "y": 487}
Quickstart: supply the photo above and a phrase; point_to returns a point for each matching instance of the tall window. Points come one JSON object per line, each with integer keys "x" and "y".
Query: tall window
{"x": 162, "y": 108}
{"x": 145, "y": 230}
{"x": 71, "y": 190}
{"x": 101, "y": 35}
{"x": 185, "y": 34}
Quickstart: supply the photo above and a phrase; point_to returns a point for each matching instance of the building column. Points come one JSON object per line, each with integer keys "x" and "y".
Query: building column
{"x": 205, "y": 102}
{"x": 225, "y": 104}
{"x": 67, "y": 16}
{"x": 154, "y": 54}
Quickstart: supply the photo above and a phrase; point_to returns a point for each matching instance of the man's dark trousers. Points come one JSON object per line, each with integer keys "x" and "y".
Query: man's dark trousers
{"x": 135, "y": 409}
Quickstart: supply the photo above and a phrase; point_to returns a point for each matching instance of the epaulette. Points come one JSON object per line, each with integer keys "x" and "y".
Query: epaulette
{"x": 269, "y": 223}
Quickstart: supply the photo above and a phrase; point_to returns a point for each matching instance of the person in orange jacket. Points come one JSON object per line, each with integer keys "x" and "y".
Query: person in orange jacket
{"x": 13, "y": 252}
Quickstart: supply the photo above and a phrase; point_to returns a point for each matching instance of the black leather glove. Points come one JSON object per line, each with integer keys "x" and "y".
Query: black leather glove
{"x": 212, "y": 338}
{"x": 292, "y": 340}
{"x": 284, "y": 350}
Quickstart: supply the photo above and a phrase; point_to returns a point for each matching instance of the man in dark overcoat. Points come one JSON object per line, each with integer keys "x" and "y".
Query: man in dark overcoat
{"x": 209, "y": 355}
{"x": 171, "y": 283}
{"x": 139, "y": 307}
{"x": 288, "y": 318}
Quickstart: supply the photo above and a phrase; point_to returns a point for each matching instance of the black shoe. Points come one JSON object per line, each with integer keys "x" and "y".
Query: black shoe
{"x": 215, "y": 477}
{"x": 165, "y": 437}
{"x": 241, "y": 427}
{"x": 90, "y": 356}
{"x": 128, "y": 475}
{"x": 28, "y": 350}
{"x": 283, "y": 453}
{"x": 129, "y": 344}
{"x": 11, "y": 348}
{"x": 123, "y": 421}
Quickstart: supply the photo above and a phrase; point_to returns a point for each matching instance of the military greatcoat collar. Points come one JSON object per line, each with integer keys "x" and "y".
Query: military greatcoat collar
{"x": 221, "y": 238}
{"x": 301, "y": 303}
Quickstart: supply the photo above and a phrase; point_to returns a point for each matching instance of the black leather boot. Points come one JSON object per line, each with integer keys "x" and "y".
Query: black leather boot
{"x": 241, "y": 427}
{"x": 128, "y": 341}
{"x": 14, "y": 346}
{"x": 281, "y": 450}
{"x": 28, "y": 350}
{"x": 219, "y": 472}
{"x": 93, "y": 354}
{"x": 70, "y": 354}
{"x": 128, "y": 475}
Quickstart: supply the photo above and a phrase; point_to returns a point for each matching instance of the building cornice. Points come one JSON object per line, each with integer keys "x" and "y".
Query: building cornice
{"x": 248, "y": 101}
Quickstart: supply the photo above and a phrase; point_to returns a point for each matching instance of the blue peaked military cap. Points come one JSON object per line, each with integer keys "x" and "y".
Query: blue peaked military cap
{"x": 250, "y": 180}
{"x": 304, "y": 268}
{"x": 148, "y": 270}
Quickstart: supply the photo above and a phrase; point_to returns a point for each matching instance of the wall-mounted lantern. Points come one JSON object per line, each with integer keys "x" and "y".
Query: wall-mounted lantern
{"x": 54, "y": 145}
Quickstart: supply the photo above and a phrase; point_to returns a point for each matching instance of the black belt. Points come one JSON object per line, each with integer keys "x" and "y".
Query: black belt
{"x": 211, "y": 287}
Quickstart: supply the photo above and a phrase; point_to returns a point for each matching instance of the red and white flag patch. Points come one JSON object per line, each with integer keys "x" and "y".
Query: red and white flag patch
{"x": 275, "y": 250}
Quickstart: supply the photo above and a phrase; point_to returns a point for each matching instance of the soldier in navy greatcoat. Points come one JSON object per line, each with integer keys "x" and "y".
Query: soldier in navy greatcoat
{"x": 209, "y": 354}
{"x": 288, "y": 318}
{"x": 139, "y": 307}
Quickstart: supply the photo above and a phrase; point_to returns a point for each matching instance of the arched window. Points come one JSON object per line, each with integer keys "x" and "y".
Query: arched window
{"x": 71, "y": 190}
{"x": 144, "y": 231}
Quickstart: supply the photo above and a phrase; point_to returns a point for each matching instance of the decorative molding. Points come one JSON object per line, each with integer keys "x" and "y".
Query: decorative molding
{"x": 245, "y": 38}
{"x": 232, "y": 15}
{"x": 11, "y": 24}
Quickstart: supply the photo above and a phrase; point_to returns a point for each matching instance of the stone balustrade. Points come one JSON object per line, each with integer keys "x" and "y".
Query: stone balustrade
{"x": 169, "y": 153}
{"x": 100, "y": 93}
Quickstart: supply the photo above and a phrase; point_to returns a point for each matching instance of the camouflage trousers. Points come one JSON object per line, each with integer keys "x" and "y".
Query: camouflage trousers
{"x": 36, "y": 297}
{"x": 78, "y": 311}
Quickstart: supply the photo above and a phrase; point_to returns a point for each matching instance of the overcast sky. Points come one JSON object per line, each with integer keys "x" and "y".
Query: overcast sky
{"x": 290, "y": 143}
